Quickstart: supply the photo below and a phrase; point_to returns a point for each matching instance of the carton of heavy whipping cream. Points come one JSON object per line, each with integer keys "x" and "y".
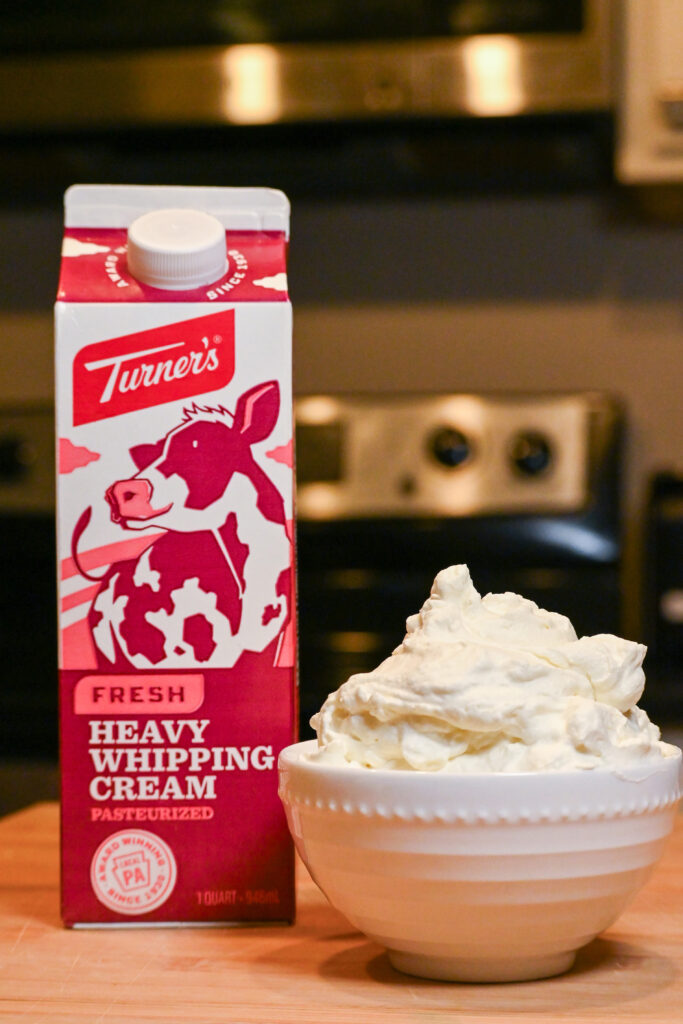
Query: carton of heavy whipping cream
{"x": 176, "y": 555}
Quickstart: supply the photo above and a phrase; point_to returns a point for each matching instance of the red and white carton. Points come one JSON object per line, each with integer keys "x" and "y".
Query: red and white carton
{"x": 176, "y": 554}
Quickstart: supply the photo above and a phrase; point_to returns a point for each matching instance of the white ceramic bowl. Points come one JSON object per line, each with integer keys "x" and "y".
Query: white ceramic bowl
{"x": 478, "y": 877}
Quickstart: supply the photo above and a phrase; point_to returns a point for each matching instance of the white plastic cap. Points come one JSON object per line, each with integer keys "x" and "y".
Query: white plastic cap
{"x": 176, "y": 249}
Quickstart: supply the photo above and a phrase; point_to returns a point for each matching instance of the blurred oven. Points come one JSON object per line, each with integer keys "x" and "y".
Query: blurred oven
{"x": 524, "y": 489}
{"x": 663, "y": 595}
{"x": 28, "y": 621}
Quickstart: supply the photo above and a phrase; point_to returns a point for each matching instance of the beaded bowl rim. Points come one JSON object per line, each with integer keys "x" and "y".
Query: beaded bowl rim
{"x": 658, "y": 789}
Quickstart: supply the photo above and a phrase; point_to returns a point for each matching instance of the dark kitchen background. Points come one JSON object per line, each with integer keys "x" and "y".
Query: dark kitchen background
{"x": 439, "y": 245}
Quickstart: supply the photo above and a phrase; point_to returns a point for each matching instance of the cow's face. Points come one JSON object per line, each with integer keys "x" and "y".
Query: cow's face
{"x": 184, "y": 482}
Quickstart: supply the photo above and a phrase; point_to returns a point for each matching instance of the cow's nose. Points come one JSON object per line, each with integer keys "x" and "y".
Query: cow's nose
{"x": 132, "y": 498}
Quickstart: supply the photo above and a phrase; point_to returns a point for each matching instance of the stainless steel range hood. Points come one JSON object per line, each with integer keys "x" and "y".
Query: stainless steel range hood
{"x": 470, "y": 75}
{"x": 567, "y": 103}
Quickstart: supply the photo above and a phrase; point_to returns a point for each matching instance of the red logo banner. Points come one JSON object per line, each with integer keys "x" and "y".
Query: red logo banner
{"x": 163, "y": 364}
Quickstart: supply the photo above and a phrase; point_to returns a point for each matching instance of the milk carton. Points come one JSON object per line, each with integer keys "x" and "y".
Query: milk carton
{"x": 176, "y": 563}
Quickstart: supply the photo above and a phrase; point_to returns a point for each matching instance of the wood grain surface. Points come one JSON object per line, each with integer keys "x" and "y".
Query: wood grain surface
{"x": 317, "y": 971}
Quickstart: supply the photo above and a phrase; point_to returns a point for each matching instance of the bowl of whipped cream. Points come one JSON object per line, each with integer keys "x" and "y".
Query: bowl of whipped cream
{"x": 489, "y": 799}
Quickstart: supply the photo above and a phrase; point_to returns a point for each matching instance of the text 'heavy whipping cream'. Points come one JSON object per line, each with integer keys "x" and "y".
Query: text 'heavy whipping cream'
{"x": 492, "y": 684}
{"x": 176, "y": 554}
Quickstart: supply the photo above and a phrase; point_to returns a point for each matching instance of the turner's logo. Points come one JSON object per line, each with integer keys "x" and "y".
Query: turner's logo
{"x": 163, "y": 364}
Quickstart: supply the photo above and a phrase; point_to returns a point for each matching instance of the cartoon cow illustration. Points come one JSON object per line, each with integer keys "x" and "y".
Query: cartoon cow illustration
{"x": 216, "y": 581}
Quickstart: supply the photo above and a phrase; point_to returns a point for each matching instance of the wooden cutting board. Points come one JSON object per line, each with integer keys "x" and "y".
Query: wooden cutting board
{"x": 319, "y": 970}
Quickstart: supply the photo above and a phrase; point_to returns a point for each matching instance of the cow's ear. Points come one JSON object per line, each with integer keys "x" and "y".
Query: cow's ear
{"x": 143, "y": 455}
{"x": 257, "y": 411}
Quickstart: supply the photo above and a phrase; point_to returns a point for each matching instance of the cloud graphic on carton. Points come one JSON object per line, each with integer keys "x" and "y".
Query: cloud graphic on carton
{"x": 74, "y": 247}
{"x": 284, "y": 454}
{"x": 73, "y": 457}
{"x": 277, "y": 281}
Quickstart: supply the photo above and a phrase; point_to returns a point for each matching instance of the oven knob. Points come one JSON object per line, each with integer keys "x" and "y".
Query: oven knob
{"x": 531, "y": 453}
{"x": 450, "y": 447}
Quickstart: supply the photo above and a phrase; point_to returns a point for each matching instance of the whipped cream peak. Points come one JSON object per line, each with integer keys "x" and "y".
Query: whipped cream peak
{"x": 455, "y": 609}
{"x": 492, "y": 683}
